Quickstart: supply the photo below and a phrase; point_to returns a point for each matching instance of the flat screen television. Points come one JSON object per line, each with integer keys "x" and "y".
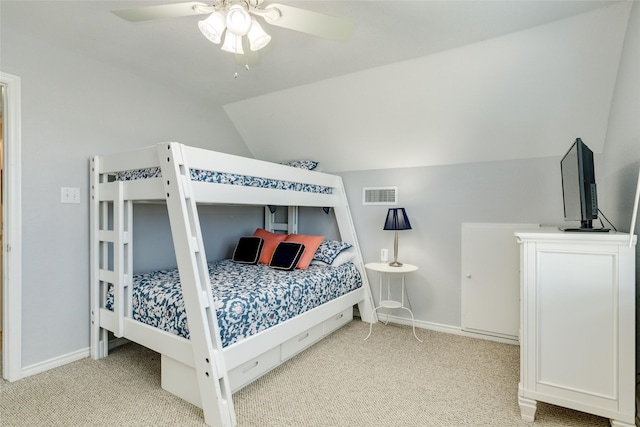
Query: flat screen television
{"x": 579, "y": 192}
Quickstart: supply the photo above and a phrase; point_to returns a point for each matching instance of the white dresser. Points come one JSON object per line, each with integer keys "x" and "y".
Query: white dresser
{"x": 577, "y": 323}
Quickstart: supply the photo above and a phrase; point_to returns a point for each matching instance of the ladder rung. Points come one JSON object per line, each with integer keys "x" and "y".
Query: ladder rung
{"x": 111, "y": 236}
{"x": 107, "y": 276}
{"x": 205, "y": 299}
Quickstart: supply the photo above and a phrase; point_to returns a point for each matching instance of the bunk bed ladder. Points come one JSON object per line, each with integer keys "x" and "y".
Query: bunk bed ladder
{"x": 271, "y": 223}
{"x": 99, "y": 336}
{"x": 348, "y": 233}
{"x": 111, "y": 218}
{"x": 213, "y": 381}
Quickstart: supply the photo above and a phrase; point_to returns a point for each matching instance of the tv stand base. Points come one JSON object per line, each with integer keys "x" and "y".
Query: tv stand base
{"x": 586, "y": 230}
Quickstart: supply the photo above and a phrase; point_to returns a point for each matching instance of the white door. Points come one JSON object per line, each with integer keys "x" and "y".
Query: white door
{"x": 11, "y": 229}
{"x": 490, "y": 279}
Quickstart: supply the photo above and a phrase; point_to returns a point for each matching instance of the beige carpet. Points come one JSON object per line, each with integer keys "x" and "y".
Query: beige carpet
{"x": 389, "y": 380}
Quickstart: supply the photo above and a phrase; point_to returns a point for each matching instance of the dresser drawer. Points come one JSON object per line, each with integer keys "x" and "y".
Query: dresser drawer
{"x": 244, "y": 374}
{"x": 300, "y": 342}
{"x": 338, "y": 320}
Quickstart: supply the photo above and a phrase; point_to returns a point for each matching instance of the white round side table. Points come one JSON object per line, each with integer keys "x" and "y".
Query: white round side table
{"x": 386, "y": 271}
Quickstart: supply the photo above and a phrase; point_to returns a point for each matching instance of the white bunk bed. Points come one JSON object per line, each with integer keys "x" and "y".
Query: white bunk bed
{"x": 200, "y": 370}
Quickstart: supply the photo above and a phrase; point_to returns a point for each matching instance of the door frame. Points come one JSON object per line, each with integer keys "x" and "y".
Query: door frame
{"x": 11, "y": 230}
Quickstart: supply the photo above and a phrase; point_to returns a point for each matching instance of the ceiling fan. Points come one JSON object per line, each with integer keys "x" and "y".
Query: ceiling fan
{"x": 235, "y": 19}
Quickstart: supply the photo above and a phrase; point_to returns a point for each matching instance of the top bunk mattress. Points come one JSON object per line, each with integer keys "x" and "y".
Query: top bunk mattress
{"x": 227, "y": 178}
{"x": 248, "y": 298}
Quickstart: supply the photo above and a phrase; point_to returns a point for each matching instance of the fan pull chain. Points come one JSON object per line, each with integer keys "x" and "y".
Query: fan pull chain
{"x": 235, "y": 71}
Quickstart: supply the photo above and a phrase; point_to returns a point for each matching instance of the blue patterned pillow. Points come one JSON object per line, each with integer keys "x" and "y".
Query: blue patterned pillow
{"x": 302, "y": 164}
{"x": 329, "y": 250}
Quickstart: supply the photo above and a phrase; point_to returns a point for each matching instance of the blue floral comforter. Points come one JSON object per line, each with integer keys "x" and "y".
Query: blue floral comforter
{"x": 227, "y": 178}
{"x": 248, "y": 298}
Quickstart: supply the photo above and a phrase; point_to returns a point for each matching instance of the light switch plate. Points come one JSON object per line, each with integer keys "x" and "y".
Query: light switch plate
{"x": 69, "y": 195}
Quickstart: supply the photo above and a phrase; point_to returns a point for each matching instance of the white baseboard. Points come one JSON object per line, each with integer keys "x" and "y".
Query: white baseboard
{"x": 56, "y": 362}
{"x": 438, "y": 327}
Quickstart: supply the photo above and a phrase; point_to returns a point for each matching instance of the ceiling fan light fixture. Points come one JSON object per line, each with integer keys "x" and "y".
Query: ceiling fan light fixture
{"x": 258, "y": 38}
{"x": 270, "y": 14}
{"x": 232, "y": 43}
{"x": 213, "y": 27}
{"x": 238, "y": 20}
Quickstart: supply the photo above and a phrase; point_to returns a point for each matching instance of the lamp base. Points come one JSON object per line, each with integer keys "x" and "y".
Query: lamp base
{"x": 395, "y": 262}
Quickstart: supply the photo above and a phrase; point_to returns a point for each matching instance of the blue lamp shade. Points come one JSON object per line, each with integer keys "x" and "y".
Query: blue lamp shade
{"x": 397, "y": 220}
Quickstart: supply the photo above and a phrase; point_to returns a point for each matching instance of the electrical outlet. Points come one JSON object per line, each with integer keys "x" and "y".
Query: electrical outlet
{"x": 384, "y": 255}
{"x": 69, "y": 195}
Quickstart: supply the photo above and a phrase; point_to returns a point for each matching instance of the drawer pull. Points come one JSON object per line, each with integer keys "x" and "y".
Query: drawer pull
{"x": 303, "y": 337}
{"x": 250, "y": 367}
{"x": 340, "y": 316}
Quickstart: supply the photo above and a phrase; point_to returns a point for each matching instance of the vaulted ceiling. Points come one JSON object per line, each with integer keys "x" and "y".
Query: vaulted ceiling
{"x": 417, "y": 83}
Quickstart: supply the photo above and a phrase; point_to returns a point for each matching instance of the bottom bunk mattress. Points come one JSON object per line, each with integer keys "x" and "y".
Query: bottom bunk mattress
{"x": 248, "y": 298}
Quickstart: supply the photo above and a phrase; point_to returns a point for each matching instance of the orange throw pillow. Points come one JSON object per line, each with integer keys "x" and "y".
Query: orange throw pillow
{"x": 271, "y": 241}
{"x": 310, "y": 243}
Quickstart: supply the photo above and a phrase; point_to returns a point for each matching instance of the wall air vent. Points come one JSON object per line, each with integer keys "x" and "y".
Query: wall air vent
{"x": 380, "y": 195}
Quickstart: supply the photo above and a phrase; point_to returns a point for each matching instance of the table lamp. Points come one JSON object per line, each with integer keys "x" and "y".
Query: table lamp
{"x": 396, "y": 220}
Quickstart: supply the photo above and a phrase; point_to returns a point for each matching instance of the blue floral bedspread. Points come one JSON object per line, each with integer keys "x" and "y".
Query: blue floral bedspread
{"x": 227, "y": 178}
{"x": 248, "y": 298}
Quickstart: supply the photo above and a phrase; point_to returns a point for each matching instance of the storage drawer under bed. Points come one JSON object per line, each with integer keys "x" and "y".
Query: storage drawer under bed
{"x": 254, "y": 368}
{"x": 337, "y": 321}
{"x": 181, "y": 380}
{"x": 297, "y": 344}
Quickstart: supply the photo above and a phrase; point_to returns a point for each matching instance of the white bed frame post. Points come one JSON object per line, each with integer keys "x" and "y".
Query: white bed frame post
{"x": 111, "y": 225}
{"x": 348, "y": 233}
{"x": 211, "y": 373}
{"x": 121, "y": 259}
{"x": 99, "y": 336}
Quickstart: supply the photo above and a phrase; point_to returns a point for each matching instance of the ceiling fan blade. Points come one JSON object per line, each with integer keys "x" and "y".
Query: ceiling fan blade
{"x": 306, "y": 21}
{"x": 159, "y": 12}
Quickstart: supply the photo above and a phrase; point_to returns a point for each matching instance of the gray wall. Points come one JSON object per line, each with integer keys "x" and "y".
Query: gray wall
{"x": 221, "y": 227}
{"x": 622, "y": 149}
{"x": 438, "y": 200}
{"x": 74, "y": 107}
{"x": 315, "y": 222}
